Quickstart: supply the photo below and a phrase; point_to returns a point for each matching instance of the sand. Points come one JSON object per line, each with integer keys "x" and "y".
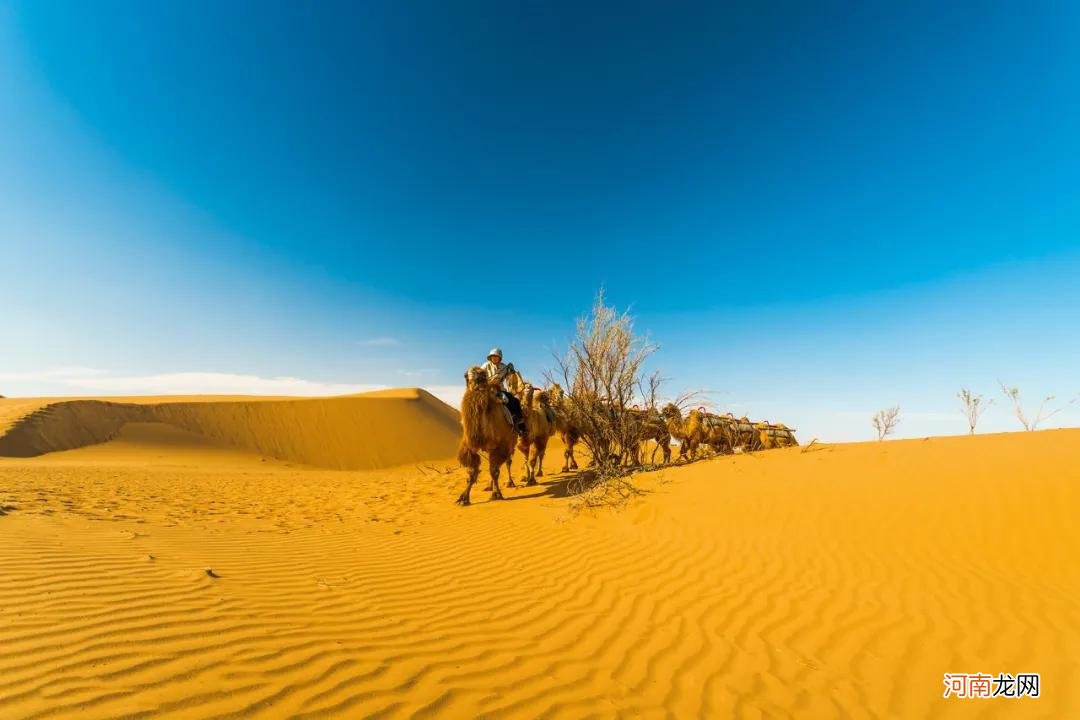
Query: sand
{"x": 834, "y": 581}
{"x": 350, "y": 432}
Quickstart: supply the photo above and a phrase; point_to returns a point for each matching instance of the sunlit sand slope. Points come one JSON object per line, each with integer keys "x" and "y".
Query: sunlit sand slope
{"x": 822, "y": 582}
{"x": 158, "y": 444}
{"x": 366, "y": 431}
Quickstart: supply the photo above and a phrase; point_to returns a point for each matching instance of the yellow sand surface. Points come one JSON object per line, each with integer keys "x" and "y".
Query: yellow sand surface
{"x": 824, "y": 582}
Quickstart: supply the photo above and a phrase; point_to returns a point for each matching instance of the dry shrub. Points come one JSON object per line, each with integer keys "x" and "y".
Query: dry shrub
{"x": 603, "y": 370}
{"x": 593, "y": 490}
{"x": 973, "y": 406}
{"x": 1031, "y": 422}
{"x": 885, "y": 421}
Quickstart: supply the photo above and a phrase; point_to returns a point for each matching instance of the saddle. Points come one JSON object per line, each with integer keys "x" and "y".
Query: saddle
{"x": 502, "y": 395}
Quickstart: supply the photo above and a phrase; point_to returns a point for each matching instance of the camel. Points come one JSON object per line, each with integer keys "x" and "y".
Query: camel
{"x": 569, "y": 433}
{"x": 650, "y": 425}
{"x": 540, "y": 423}
{"x": 722, "y": 432}
{"x": 487, "y": 428}
{"x": 771, "y": 436}
{"x": 745, "y": 437}
{"x": 690, "y": 432}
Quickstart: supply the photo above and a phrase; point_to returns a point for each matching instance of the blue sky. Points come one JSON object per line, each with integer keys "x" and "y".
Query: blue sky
{"x": 816, "y": 211}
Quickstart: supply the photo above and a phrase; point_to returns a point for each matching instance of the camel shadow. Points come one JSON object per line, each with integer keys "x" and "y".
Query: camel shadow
{"x": 560, "y": 484}
{"x": 552, "y": 487}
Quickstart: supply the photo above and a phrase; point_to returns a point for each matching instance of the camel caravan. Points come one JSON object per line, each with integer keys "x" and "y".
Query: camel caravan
{"x": 501, "y": 411}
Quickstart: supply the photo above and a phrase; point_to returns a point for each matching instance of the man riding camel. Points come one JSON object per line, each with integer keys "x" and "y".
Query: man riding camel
{"x": 497, "y": 369}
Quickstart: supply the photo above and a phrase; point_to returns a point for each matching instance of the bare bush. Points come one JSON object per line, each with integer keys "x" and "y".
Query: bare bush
{"x": 885, "y": 421}
{"x": 593, "y": 490}
{"x": 603, "y": 370}
{"x": 1031, "y": 422}
{"x": 973, "y": 406}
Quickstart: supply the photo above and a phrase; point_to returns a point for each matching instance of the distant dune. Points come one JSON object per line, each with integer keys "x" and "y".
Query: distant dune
{"x": 356, "y": 432}
{"x": 177, "y": 570}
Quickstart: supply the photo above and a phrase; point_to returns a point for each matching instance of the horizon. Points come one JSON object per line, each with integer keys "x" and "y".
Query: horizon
{"x": 815, "y": 219}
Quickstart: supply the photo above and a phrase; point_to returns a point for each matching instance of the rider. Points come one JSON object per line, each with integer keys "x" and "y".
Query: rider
{"x": 497, "y": 369}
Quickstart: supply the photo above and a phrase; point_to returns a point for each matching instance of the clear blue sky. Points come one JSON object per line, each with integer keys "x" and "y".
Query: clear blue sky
{"x": 817, "y": 210}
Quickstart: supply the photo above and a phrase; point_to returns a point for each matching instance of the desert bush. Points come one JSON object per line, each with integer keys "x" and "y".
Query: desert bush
{"x": 885, "y": 421}
{"x": 1031, "y": 422}
{"x": 972, "y": 406}
{"x": 603, "y": 369}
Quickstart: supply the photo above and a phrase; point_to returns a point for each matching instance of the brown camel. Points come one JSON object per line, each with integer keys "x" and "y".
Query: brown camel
{"x": 690, "y": 432}
{"x": 569, "y": 433}
{"x": 649, "y": 425}
{"x": 721, "y": 432}
{"x": 487, "y": 428}
{"x": 539, "y": 425}
{"x": 540, "y": 421}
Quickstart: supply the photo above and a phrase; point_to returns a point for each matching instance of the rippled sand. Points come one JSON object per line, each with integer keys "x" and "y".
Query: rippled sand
{"x": 167, "y": 573}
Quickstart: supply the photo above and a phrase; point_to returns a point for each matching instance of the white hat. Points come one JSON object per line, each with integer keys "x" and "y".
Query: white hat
{"x": 495, "y": 351}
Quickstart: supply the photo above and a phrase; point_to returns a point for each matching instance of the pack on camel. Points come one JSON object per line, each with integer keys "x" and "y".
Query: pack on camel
{"x": 568, "y": 432}
{"x": 745, "y": 435}
{"x": 487, "y": 427}
{"x": 771, "y": 436}
{"x": 539, "y": 426}
{"x": 722, "y": 432}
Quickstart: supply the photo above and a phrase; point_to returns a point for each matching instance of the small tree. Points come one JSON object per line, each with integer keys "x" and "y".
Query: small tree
{"x": 973, "y": 407}
{"x": 1031, "y": 423}
{"x": 604, "y": 371}
{"x": 885, "y": 421}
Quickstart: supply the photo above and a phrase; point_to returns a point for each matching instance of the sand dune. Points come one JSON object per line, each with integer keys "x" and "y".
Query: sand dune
{"x": 350, "y": 432}
{"x": 834, "y": 581}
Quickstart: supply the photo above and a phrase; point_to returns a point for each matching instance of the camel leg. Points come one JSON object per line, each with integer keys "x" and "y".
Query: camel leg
{"x": 463, "y": 498}
{"x": 509, "y": 475}
{"x": 535, "y": 455}
{"x": 470, "y": 460}
{"x": 540, "y": 462}
{"x": 530, "y": 468}
{"x": 494, "y": 465}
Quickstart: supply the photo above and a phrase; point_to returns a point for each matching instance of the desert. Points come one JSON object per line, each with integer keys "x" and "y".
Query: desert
{"x": 178, "y": 568}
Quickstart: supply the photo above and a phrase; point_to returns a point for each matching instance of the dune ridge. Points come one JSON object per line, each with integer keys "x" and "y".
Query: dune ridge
{"x": 354, "y": 432}
{"x": 832, "y": 581}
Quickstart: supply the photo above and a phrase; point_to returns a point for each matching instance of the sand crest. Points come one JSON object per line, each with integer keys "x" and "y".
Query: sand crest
{"x": 350, "y": 432}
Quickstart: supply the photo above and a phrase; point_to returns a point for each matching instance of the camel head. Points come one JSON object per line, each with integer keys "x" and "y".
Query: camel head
{"x": 476, "y": 378}
{"x": 516, "y": 384}
{"x": 671, "y": 412}
{"x": 556, "y": 394}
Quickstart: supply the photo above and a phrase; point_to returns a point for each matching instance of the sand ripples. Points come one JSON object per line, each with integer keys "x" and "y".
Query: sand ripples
{"x": 754, "y": 587}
